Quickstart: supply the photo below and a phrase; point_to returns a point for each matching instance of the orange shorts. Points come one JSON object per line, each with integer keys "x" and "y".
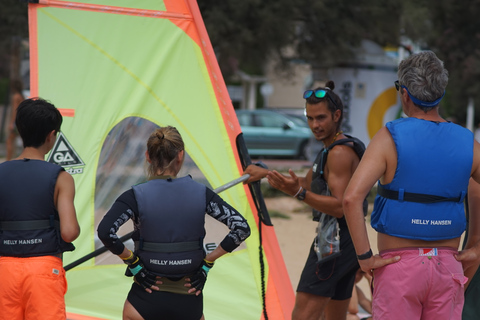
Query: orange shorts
{"x": 32, "y": 288}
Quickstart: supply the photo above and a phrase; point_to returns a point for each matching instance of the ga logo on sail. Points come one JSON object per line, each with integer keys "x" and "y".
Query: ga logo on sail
{"x": 65, "y": 156}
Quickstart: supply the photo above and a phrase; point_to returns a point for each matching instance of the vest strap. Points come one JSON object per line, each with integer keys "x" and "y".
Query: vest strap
{"x": 170, "y": 247}
{"x": 25, "y": 225}
{"x": 415, "y": 197}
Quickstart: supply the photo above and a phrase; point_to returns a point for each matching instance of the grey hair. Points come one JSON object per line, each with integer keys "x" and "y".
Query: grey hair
{"x": 424, "y": 75}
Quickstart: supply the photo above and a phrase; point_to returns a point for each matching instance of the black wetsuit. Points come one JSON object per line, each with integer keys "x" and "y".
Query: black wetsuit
{"x": 162, "y": 304}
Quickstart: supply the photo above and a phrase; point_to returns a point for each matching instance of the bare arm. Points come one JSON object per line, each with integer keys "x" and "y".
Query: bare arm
{"x": 473, "y": 226}
{"x": 470, "y": 257}
{"x": 341, "y": 163}
{"x": 65, "y": 194}
{"x": 372, "y": 167}
{"x": 256, "y": 173}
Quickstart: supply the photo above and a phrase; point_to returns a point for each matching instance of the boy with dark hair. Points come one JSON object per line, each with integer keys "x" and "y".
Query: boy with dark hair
{"x": 38, "y": 221}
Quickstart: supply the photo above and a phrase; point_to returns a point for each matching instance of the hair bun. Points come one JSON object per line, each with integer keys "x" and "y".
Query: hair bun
{"x": 160, "y": 134}
{"x": 330, "y": 84}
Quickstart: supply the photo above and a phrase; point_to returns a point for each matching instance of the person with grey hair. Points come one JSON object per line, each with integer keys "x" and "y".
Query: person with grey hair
{"x": 423, "y": 164}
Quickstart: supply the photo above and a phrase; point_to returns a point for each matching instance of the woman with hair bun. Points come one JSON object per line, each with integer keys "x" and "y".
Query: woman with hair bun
{"x": 169, "y": 264}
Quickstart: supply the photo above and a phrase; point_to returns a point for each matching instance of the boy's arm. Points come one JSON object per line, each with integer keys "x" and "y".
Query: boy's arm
{"x": 65, "y": 194}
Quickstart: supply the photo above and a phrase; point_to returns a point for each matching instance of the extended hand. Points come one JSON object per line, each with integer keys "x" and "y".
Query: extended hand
{"x": 256, "y": 173}
{"x": 289, "y": 185}
{"x": 197, "y": 281}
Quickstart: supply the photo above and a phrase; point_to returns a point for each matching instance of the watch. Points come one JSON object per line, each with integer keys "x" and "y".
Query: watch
{"x": 366, "y": 255}
{"x": 301, "y": 195}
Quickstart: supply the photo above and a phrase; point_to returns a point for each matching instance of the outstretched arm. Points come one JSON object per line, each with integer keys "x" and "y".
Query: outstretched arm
{"x": 341, "y": 163}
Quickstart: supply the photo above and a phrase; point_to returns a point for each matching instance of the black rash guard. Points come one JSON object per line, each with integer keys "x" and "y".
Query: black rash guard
{"x": 125, "y": 208}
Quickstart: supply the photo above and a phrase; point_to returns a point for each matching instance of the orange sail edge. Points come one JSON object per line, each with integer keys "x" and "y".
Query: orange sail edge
{"x": 280, "y": 296}
{"x": 74, "y": 316}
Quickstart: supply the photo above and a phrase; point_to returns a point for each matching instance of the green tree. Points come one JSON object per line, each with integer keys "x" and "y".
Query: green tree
{"x": 246, "y": 34}
{"x": 452, "y": 30}
{"x": 455, "y": 37}
{"x": 13, "y": 28}
{"x": 330, "y": 30}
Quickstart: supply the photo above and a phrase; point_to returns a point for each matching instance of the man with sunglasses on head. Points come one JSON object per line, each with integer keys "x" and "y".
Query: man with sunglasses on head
{"x": 325, "y": 286}
{"x": 423, "y": 164}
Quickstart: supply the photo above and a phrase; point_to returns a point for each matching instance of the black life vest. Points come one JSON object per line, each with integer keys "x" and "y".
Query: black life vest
{"x": 171, "y": 225}
{"x": 29, "y": 221}
{"x": 319, "y": 185}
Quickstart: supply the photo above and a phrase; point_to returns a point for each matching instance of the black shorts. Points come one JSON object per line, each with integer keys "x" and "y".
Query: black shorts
{"x": 335, "y": 278}
{"x": 161, "y": 305}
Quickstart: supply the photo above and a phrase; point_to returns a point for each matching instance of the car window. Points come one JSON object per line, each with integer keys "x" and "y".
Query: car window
{"x": 270, "y": 120}
{"x": 245, "y": 119}
{"x": 300, "y": 121}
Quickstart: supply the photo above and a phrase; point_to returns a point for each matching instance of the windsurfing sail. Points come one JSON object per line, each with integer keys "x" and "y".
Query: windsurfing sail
{"x": 117, "y": 69}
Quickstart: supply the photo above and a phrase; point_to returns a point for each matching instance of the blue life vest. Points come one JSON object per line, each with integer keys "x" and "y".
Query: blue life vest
{"x": 171, "y": 225}
{"x": 29, "y": 221}
{"x": 424, "y": 201}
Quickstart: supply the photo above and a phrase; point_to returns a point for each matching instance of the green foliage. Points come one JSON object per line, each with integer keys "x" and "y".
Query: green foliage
{"x": 452, "y": 30}
{"x": 247, "y": 34}
{"x": 3, "y": 90}
{"x": 13, "y": 25}
{"x": 244, "y": 33}
{"x": 329, "y": 30}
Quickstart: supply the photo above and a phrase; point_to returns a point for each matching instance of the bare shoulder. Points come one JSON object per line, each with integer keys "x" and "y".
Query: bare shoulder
{"x": 342, "y": 159}
{"x": 475, "y": 173}
{"x": 65, "y": 181}
{"x": 342, "y": 151}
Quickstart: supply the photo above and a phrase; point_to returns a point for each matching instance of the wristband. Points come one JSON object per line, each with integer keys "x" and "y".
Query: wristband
{"x": 135, "y": 270}
{"x": 129, "y": 257}
{"x": 299, "y": 190}
{"x": 207, "y": 265}
{"x": 366, "y": 255}
{"x": 301, "y": 195}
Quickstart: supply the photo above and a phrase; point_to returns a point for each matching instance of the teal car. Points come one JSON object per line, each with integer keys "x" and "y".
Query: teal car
{"x": 269, "y": 133}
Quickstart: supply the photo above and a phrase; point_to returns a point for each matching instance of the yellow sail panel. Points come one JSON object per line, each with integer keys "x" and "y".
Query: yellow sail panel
{"x": 117, "y": 73}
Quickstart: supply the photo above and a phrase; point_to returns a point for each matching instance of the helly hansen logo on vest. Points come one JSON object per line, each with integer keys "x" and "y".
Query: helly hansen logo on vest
{"x": 64, "y": 155}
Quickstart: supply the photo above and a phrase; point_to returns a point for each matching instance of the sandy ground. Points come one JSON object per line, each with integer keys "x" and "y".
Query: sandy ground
{"x": 295, "y": 231}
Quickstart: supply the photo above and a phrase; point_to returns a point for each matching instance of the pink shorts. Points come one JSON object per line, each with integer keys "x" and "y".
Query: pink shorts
{"x": 32, "y": 288}
{"x": 426, "y": 284}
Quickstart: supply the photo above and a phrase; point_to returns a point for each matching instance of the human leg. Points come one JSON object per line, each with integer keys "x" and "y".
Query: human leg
{"x": 419, "y": 286}
{"x": 162, "y": 305}
{"x": 308, "y": 306}
{"x": 336, "y": 309}
{"x": 44, "y": 288}
{"x": 10, "y": 291}
{"x": 446, "y": 296}
{"x": 398, "y": 286}
{"x": 130, "y": 313}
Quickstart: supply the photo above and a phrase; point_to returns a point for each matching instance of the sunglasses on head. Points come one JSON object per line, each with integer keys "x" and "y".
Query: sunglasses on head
{"x": 319, "y": 93}
{"x": 397, "y": 85}
{"x": 418, "y": 101}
